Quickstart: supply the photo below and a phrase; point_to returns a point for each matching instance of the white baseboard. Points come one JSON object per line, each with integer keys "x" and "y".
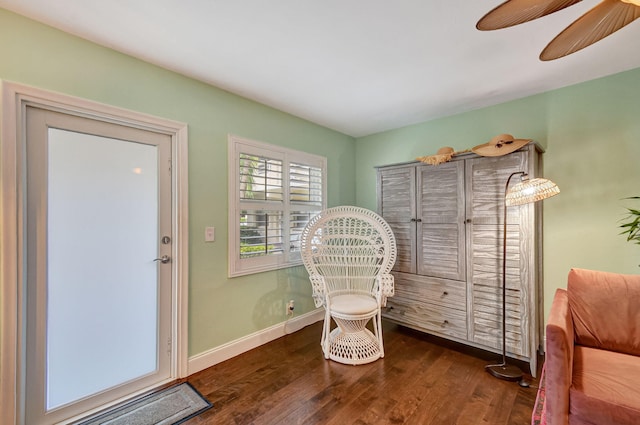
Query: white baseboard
{"x": 231, "y": 349}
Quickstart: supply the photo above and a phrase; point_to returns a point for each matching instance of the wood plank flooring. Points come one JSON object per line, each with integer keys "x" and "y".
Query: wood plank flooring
{"x": 421, "y": 380}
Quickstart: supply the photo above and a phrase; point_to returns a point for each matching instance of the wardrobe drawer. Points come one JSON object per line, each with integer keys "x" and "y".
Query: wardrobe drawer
{"x": 427, "y": 317}
{"x": 432, "y": 290}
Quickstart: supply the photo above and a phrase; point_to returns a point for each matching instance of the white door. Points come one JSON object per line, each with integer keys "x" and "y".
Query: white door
{"x": 98, "y": 238}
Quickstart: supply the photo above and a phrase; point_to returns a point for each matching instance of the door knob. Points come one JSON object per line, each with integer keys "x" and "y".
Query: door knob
{"x": 164, "y": 259}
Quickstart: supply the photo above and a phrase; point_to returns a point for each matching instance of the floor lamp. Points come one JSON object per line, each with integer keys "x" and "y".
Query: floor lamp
{"x": 524, "y": 192}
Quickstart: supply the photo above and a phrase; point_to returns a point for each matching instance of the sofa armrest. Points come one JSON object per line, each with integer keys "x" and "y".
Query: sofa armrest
{"x": 559, "y": 359}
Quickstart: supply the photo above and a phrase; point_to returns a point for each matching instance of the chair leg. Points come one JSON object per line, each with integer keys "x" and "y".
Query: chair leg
{"x": 378, "y": 330}
{"x": 326, "y": 328}
{"x": 324, "y": 332}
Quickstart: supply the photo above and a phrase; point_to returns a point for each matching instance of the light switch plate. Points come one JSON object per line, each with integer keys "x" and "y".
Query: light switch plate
{"x": 209, "y": 234}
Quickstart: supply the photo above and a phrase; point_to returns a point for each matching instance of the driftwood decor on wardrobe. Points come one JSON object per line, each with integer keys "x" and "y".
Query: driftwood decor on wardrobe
{"x": 447, "y": 220}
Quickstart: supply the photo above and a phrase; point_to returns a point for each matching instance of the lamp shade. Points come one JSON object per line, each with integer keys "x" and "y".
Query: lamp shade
{"x": 528, "y": 191}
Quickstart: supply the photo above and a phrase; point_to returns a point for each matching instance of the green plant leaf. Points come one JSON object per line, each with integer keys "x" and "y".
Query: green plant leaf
{"x": 632, "y": 225}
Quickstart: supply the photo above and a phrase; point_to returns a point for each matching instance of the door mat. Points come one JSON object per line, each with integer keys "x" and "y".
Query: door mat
{"x": 170, "y": 406}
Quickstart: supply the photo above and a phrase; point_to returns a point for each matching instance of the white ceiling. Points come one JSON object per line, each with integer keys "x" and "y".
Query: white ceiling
{"x": 356, "y": 66}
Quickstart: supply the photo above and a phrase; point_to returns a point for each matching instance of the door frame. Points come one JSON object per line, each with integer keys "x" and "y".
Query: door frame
{"x": 15, "y": 98}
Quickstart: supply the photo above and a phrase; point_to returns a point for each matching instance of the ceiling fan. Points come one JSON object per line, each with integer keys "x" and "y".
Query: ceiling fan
{"x": 604, "y": 19}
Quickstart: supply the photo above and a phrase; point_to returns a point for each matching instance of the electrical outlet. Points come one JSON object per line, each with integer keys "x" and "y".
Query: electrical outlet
{"x": 290, "y": 307}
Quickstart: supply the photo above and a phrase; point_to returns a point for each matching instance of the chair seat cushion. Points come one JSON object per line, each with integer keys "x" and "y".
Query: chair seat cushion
{"x": 353, "y": 304}
{"x": 604, "y": 387}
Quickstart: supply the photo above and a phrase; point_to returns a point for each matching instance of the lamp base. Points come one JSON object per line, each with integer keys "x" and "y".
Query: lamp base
{"x": 505, "y": 371}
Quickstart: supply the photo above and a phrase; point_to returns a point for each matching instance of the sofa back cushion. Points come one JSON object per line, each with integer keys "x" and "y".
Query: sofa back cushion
{"x": 606, "y": 310}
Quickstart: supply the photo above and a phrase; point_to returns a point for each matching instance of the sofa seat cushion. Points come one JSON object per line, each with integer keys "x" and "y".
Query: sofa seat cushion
{"x": 604, "y": 388}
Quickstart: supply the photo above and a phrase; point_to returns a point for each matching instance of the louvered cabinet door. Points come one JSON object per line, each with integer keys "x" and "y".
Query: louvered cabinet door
{"x": 396, "y": 204}
{"x": 441, "y": 216}
{"x": 486, "y": 179}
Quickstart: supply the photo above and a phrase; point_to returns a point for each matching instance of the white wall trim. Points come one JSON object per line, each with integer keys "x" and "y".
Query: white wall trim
{"x": 241, "y": 345}
{"x": 14, "y": 98}
{"x": 10, "y": 265}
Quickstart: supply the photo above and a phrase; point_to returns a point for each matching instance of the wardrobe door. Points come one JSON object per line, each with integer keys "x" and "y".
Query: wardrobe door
{"x": 486, "y": 179}
{"x": 396, "y": 204}
{"x": 441, "y": 221}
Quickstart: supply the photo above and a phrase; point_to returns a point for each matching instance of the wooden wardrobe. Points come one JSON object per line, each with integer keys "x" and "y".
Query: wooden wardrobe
{"x": 447, "y": 220}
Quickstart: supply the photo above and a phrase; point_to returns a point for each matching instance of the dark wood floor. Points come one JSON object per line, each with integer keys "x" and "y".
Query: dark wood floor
{"x": 422, "y": 380}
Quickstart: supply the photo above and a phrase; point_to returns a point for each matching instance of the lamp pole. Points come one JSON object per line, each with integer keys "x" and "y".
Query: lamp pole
{"x": 503, "y": 370}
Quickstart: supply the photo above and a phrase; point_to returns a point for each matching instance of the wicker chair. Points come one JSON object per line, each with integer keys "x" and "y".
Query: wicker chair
{"x": 349, "y": 252}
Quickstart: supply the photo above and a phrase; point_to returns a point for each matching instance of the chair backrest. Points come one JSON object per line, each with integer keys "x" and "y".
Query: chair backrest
{"x": 349, "y": 247}
{"x": 605, "y": 309}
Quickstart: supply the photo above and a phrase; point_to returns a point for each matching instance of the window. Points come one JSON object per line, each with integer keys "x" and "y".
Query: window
{"x": 273, "y": 193}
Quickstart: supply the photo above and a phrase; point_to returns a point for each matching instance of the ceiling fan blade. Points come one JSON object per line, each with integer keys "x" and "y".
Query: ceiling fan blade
{"x": 604, "y": 19}
{"x": 514, "y": 12}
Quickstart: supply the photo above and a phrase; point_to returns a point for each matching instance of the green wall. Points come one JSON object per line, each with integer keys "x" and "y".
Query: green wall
{"x": 591, "y": 133}
{"x": 220, "y": 309}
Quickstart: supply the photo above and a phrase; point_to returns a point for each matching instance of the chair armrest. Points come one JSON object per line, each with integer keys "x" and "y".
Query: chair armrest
{"x": 319, "y": 289}
{"x": 385, "y": 288}
{"x": 559, "y": 359}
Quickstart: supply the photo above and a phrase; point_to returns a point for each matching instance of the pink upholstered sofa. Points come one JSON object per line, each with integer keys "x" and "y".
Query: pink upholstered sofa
{"x": 592, "y": 365}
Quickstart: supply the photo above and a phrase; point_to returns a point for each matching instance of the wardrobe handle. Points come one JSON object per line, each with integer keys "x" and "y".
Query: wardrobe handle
{"x": 468, "y": 220}
{"x": 445, "y": 293}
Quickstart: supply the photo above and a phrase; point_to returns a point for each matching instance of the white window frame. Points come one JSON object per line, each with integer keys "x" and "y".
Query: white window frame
{"x": 238, "y": 145}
